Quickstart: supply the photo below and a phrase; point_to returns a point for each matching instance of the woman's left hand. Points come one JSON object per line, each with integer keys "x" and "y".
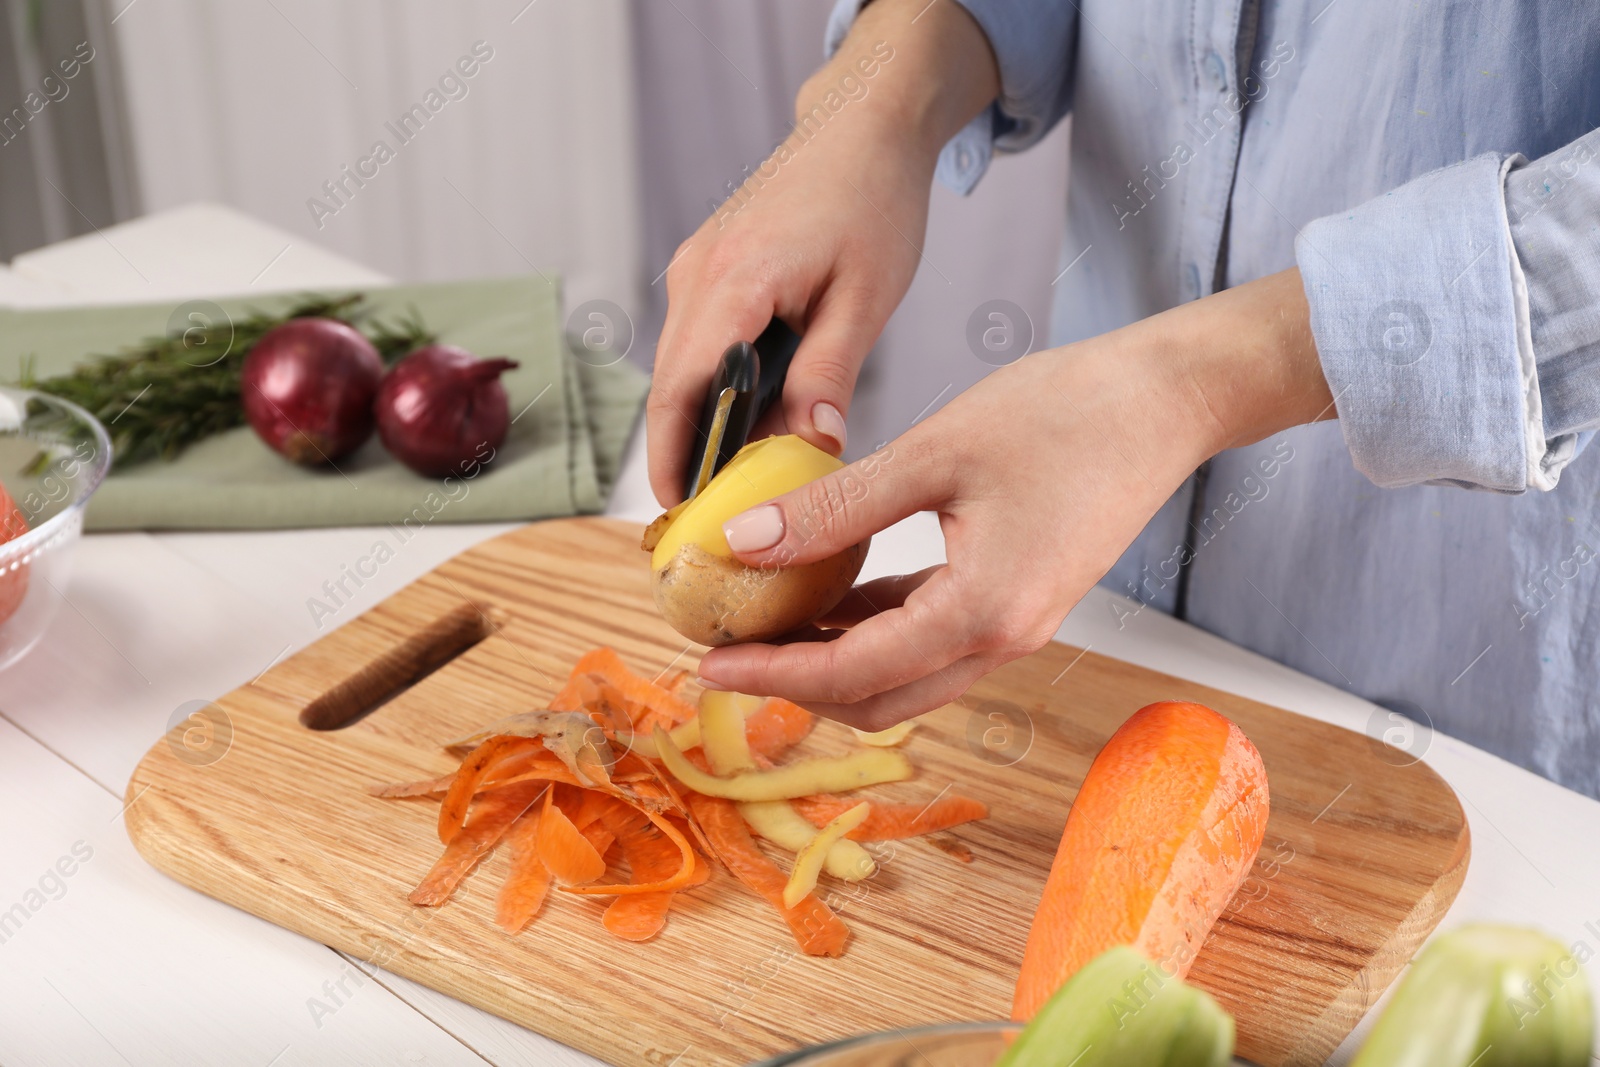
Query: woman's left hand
{"x": 1042, "y": 474}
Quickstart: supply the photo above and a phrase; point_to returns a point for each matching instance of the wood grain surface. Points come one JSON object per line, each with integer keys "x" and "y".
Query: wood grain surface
{"x": 1363, "y": 853}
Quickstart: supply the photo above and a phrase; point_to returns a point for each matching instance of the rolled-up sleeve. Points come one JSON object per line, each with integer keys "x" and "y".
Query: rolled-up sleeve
{"x": 1553, "y": 207}
{"x": 1033, "y": 43}
{"x": 1458, "y": 321}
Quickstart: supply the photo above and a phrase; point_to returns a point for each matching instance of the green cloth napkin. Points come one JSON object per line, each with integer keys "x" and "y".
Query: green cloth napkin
{"x": 572, "y": 422}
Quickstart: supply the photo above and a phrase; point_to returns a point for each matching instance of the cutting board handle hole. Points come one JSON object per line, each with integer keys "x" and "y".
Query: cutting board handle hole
{"x": 400, "y": 668}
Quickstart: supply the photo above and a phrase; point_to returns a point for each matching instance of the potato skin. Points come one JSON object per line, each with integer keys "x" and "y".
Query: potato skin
{"x": 717, "y": 600}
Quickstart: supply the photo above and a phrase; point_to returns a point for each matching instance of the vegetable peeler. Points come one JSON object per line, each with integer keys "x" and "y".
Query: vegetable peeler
{"x": 748, "y": 381}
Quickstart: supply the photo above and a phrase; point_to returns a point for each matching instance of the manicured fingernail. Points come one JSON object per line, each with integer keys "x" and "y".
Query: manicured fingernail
{"x": 755, "y": 530}
{"x": 706, "y": 683}
{"x": 826, "y": 418}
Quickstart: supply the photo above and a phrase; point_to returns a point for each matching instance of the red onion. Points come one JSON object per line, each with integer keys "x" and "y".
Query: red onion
{"x": 441, "y": 410}
{"x": 308, "y": 386}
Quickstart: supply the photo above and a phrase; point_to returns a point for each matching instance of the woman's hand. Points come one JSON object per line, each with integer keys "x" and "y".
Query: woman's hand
{"x": 826, "y": 234}
{"x": 1042, "y": 474}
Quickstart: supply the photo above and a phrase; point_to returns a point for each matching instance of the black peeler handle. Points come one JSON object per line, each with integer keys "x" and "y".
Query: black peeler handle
{"x": 776, "y": 345}
{"x": 755, "y": 371}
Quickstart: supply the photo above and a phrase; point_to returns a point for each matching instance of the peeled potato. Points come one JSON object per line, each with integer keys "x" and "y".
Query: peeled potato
{"x": 704, "y": 592}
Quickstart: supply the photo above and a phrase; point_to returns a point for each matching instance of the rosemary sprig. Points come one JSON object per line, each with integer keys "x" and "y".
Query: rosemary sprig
{"x": 161, "y": 395}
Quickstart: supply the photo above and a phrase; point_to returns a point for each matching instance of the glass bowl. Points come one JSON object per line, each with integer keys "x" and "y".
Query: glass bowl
{"x": 948, "y": 1045}
{"x": 53, "y": 456}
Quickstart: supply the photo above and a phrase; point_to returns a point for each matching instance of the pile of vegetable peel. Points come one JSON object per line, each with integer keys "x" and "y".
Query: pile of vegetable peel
{"x": 621, "y": 772}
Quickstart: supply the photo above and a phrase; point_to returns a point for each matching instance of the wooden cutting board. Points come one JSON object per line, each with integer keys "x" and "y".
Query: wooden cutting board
{"x": 244, "y": 803}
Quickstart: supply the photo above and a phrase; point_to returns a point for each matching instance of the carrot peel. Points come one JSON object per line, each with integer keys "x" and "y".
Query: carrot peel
{"x": 481, "y": 833}
{"x": 651, "y": 857}
{"x": 479, "y": 764}
{"x": 528, "y": 882}
{"x": 564, "y": 849}
{"x": 816, "y": 929}
{"x": 892, "y": 822}
{"x": 621, "y": 765}
{"x": 683, "y": 876}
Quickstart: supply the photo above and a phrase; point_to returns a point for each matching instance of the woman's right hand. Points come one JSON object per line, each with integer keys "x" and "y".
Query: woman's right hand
{"x": 826, "y": 234}
{"x": 1042, "y": 474}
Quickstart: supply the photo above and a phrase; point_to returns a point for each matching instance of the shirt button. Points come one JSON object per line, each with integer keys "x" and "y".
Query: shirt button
{"x": 963, "y": 158}
{"x": 1193, "y": 278}
{"x": 1216, "y": 70}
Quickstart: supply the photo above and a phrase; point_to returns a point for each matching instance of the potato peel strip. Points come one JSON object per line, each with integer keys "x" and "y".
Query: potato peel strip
{"x": 828, "y": 774}
{"x": 808, "y": 861}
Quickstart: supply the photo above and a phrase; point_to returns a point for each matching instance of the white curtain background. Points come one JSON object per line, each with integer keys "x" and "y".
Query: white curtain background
{"x": 63, "y": 155}
{"x": 532, "y": 164}
{"x": 591, "y": 143}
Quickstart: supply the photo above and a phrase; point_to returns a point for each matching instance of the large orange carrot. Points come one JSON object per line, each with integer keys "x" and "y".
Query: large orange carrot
{"x": 1163, "y": 831}
{"x": 891, "y": 822}
{"x": 817, "y": 930}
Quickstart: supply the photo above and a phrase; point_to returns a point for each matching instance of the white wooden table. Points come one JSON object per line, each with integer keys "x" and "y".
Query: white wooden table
{"x": 116, "y": 963}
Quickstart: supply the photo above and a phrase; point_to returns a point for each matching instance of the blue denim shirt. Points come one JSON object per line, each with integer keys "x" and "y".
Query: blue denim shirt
{"x": 1431, "y": 169}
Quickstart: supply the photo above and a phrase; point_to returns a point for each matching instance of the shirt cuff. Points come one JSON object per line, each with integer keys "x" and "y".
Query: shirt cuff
{"x": 1552, "y": 205}
{"x": 1033, "y": 44}
{"x": 1419, "y": 308}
